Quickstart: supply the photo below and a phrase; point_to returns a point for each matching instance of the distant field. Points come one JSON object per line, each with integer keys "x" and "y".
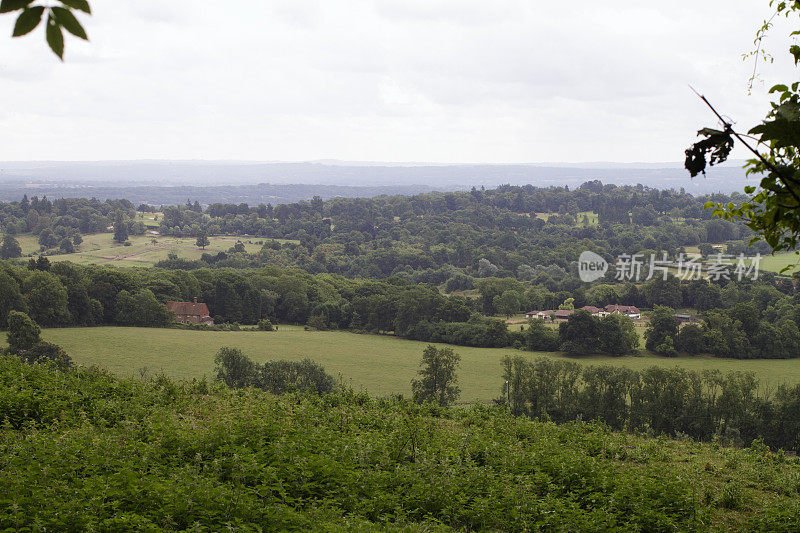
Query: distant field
{"x": 380, "y": 364}
{"x": 151, "y": 220}
{"x": 28, "y": 243}
{"x": 145, "y": 250}
{"x": 591, "y": 216}
{"x": 775, "y": 263}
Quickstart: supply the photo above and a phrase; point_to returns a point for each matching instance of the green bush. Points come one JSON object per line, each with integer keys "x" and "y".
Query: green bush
{"x": 236, "y": 370}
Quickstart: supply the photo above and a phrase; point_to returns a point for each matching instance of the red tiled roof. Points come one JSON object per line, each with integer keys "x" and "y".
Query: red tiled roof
{"x": 592, "y": 309}
{"x": 564, "y": 312}
{"x": 188, "y": 308}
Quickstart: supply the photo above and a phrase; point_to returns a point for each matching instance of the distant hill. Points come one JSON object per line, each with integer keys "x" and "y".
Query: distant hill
{"x": 236, "y": 194}
{"x": 275, "y": 182}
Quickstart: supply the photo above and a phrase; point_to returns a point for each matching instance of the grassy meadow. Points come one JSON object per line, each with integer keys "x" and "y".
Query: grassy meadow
{"x": 145, "y": 250}
{"x": 776, "y": 263}
{"x": 378, "y": 364}
{"x": 591, "y": 217}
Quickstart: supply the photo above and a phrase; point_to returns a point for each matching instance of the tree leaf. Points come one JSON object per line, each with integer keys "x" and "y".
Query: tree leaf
{"x": 83, "y": 5}
{"x": 55, "y": 38}
{"x": 7, "y": 6}
{"x": 68, "y": 21}
{"x": 795, "y": 51}
{"x": 28, "y": 20}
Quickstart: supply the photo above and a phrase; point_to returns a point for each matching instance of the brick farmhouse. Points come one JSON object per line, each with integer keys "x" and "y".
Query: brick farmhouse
{"x": 191, "y": 312}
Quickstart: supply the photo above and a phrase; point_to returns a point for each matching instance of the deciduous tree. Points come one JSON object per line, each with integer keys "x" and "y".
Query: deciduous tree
{"x": 438, "y": 382}
{"x": 10, "y": 248}
{"x": 202, "y": 240}
{"x": 23, "y": 332}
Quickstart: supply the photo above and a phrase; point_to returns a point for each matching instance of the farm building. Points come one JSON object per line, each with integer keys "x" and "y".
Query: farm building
{"x": 539, "y": 314}
{"x": 594, "y": 310}
{"x": 630, "y": 310}
{"x": 191, "y": 312}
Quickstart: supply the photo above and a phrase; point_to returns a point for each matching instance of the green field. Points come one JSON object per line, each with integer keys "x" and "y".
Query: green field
{"x": 379, "y": 364}
{"x": 145, "y": 250}
{"x": 591, "y": 216}
{"x": 28, "y": 243}
{"x": 151, "y": 220}
{"x": 775, "y": 263}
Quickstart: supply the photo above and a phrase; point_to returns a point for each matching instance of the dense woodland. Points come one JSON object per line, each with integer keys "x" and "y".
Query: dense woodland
{"x": 754, "y": 319}
{"x": 431, "y": 267}
{"x": 419, "y": 235}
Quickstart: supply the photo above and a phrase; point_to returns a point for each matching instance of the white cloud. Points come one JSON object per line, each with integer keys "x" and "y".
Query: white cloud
{"x": 414, "y": 80}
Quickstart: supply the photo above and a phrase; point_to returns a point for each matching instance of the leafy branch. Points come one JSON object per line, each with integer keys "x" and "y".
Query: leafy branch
{"x": 58, "y": 14}
{"x": 773, "y": 209}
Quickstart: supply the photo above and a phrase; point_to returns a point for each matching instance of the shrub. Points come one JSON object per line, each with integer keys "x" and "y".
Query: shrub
{"x": 46, "y": 352}
{"x": 234, "y": 368}
{"x": 317, "y": 322}
{"x": 23, "y": 333}
{"x": 279, "y": 377}
{"x": 237, "y": 371}
{"x": 265, "y": 325}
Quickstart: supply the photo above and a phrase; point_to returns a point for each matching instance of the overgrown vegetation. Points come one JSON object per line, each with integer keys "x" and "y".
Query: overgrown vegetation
{"x": 82, "y": 450}
{"x": 24, "y": 341}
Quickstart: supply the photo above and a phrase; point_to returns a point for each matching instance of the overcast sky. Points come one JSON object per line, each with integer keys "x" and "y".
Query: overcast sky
{"x": 496, "y": 81}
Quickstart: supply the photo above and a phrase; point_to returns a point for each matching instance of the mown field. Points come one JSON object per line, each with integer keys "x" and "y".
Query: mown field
{"x": 591, "y": 217}
{"x": 145, "y": 250}
{"x": 381, "y": 365}
{"x": 775, "y": 263}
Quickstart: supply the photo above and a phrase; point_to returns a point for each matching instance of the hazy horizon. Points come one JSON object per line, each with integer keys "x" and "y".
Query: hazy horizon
{"x": 120, "y": 178}
{"x": 575, "y": 164}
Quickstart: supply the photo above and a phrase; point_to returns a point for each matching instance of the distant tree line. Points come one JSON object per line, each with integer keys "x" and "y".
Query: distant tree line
{"x": 754, "y": 319}
{"x": 59, "y": 224}
{"x": 741, "y": 331}
{"x": 435, "y": 237}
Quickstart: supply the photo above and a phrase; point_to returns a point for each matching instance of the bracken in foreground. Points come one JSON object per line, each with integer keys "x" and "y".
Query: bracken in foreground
{"x": 84, "y": 450}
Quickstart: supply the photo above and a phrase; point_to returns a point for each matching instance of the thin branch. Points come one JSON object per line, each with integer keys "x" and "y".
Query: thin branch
{"x": 729, "y": 128}
{"x": 759, "y": 38}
